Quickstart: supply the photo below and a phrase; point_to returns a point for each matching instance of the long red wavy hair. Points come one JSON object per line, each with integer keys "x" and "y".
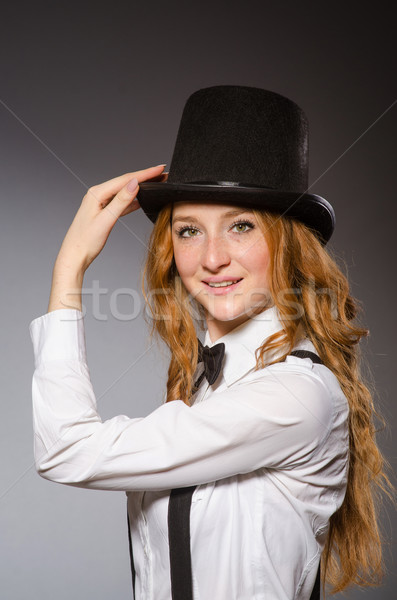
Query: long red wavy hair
{"x": 303, "y": 275}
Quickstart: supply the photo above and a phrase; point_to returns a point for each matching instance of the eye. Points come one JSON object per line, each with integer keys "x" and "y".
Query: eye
{"x": 189, "y": 230}
{"x": 243, "y": 226}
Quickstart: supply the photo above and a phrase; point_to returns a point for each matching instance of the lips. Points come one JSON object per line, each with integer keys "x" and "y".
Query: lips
{"x": 217, "y": 284}
{"x": 221, "y": 279}
{"x": 220, "y": 286}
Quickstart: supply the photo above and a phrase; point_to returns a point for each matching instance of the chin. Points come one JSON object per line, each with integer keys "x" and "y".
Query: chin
{"x": 233, "y": 312}
{"x": 228, "y": 316}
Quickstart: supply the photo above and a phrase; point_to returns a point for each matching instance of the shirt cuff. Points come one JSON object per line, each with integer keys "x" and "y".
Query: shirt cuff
{"x": 58, "y": 335}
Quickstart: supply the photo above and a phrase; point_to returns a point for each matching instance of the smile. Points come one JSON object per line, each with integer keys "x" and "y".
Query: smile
{"x": 221, "y": 288}
{"x": 223, "y": 283}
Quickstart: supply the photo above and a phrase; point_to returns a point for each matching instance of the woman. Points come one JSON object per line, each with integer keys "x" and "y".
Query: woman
{"x": 266, "y": 438}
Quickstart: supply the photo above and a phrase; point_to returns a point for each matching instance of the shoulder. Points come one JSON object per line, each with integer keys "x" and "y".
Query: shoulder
{"x": 297, "y": 391}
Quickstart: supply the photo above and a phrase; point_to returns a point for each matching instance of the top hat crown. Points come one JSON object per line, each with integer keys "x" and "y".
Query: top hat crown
{"x": 244, "y": 146}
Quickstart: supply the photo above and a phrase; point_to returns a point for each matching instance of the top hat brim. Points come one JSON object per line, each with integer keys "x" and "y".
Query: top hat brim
{"x": 312, "y": 210}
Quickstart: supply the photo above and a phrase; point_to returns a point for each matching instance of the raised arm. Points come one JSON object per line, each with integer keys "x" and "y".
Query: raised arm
{"x": 101, "y": 207}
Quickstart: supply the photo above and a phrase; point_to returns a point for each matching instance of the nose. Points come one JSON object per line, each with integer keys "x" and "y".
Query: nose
{"x": 215, "y": 253}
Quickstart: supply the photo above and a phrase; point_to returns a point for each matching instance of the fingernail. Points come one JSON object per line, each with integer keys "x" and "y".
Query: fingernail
{"x": 160, "y": 165}
{"x": 132, "y": 185}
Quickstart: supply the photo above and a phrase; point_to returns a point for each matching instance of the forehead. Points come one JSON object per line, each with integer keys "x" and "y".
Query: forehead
{"x": 194, "y": 209}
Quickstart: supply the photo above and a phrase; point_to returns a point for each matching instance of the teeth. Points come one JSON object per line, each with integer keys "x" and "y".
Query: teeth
{"x": 222, "y": 284}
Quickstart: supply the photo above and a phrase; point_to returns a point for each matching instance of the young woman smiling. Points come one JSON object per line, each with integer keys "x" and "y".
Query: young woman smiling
{"x": 222, "y": 258}
{"x": 262, "y": 464}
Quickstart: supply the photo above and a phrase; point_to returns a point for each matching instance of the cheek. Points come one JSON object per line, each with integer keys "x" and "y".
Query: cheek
{"x": 257, "y": 262}
{"x": 186, "y": 261}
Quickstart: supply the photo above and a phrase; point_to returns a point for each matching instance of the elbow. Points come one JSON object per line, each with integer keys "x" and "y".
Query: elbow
{"x": 49, "y": 462}
{"x": 61, "y": 472}
{"x": 45, "y": 473}
{"x": 54, "y": 470}
{"x": 60, "y": 465}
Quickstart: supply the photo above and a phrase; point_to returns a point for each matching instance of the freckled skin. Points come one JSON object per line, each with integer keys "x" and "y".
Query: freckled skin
{"x": 210, "y": 243}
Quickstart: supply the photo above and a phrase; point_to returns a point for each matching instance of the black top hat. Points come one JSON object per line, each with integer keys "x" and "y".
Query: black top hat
{"x": 244, "y": 146}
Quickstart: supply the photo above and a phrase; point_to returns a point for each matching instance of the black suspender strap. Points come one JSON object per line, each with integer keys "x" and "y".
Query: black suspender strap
{"x": 179, "y": 541}
{"x": 131, "y": 554}
{"x": 307, "y": 354}
{"x": 315, "y": 595}
{"x": 179, "y": 533}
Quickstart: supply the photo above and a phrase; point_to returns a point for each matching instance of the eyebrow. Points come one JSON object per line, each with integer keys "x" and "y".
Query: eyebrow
{"x": 231, "y": 213}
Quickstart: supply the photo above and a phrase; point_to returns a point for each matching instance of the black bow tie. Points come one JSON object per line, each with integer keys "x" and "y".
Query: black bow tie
{"x": 212, "y": 359}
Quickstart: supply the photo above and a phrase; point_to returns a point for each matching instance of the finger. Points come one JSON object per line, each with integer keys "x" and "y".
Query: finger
{"x": 104, "y": 191}
{"x": 135, "y": 203}
{"x": 121, "y": 202}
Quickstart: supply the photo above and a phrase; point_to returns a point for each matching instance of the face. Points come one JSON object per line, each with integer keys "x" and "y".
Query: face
{"x": 222, "y": 258}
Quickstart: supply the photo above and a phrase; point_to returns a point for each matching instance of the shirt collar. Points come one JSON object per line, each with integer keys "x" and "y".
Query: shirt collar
{"x": 241, "y": 343}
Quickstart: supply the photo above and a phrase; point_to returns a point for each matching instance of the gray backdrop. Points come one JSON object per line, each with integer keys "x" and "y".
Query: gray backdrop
{"x": 88, "y": 93}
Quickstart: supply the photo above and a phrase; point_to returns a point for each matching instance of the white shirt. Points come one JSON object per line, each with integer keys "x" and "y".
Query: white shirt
{"x": 268, "y": 450}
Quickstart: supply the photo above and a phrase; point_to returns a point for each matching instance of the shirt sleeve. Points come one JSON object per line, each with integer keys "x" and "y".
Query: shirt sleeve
{"x": 276, "y": 421}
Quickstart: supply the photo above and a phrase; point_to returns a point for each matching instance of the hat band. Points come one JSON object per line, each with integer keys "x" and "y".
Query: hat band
{"x": 231, "y": 183}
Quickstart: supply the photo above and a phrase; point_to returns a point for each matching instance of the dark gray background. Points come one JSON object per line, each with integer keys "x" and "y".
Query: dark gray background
{"x": 88, "y": 93}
